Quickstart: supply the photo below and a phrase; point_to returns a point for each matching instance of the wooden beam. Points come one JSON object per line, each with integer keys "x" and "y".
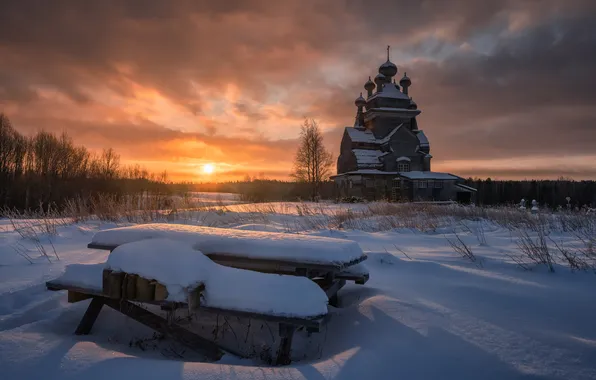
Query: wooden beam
{"x": 286, "y": 333}
{"x": 313, "y": 323}
{"x": 90, "y": 316}
{"x": 74, "y": 296}
{"x": 332, "y": 290}
{"x": 180, "y": 334}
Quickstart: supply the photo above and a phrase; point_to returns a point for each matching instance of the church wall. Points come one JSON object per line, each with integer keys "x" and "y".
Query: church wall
{"x": 346, "y": 162}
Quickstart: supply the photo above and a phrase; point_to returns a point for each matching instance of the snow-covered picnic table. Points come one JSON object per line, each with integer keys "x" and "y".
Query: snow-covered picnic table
{"x": 283, "y": 278}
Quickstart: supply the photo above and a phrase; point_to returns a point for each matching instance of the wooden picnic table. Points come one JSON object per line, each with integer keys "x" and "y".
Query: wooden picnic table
{"x": 331, "y": 276}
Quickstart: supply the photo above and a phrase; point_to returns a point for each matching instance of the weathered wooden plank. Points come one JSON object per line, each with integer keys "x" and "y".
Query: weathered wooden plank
{"x": 112, "y": 283}
{"x": 161, "y": 292}
{"x": 129, "y": 286}
{"x": 286, "y": 333}
{"x": 331, "y": 291}
{"x": 145, "y": 289}
{"x": 74, "y": 296}
{"x": 90, "y": 316}
{"x": 180, "y": 334}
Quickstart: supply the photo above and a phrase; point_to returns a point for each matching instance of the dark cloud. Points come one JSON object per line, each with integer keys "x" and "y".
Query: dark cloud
{"x": 494, "y": 79}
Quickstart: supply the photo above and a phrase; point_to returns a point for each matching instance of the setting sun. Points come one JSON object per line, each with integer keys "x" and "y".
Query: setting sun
{"x": 208, "y": 168}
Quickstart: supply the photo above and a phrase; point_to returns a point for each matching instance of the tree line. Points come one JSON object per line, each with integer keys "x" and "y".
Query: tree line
{"x": 549, "y": 193}
{"x": 46, "y": 169}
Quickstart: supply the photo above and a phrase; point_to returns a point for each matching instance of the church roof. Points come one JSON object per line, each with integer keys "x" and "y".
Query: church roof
{"x": 390, "y": 91}
{"x": 386, "y": 139}
{"x": 422, "y": 139}
{"x": 428, "y": 175}
{"x": 365, "y": 171}
{"x": 357, "y": 135}
{"x": 367, "y": 158}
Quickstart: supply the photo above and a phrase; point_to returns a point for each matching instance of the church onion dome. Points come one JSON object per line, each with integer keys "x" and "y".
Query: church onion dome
{"x": 388, "y": 69}
{"x": 413, "y": 105}
{"x": 405, "y": 81}
{"x": 360, "y": 101}
{"x": 369, "y": 85}
{"x": 380, "y": 78}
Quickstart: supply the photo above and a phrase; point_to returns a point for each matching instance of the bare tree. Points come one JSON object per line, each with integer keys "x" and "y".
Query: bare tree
{"x": 313, "y": 162}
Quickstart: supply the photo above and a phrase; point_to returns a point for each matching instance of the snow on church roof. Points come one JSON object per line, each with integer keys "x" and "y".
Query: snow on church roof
{"x": 367, "y": 158}
{"x": 428, "y": 175}
{"x": 356, "y": 135}
{"x": 390, "y": 135}
{"x": 390, "y": 91}
{"x": 422, "y": 138}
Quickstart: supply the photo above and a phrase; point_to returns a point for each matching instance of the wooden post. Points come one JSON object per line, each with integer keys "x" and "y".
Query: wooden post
{"x": 90, "y": 316}
{"x": 74, "y": 296}
{"x": 286, "y": 333}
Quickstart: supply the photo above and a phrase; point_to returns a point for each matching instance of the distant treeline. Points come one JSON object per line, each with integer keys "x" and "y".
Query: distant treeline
{"x": 45, "y": 170}
{"x": 264, "y": 190}
{"x": 550, "y": 193}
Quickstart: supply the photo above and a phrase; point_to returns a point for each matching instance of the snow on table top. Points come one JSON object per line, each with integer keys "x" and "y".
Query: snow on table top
{"x": 359, "y": 269}
{"x": 86, "y": 276}
{"x": 242, "y": 243}
{"x": 181, "y": 269}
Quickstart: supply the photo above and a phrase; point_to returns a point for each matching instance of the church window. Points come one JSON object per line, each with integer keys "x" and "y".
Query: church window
{"x": 422, "y": 184}
{"x": 403, "y": 166}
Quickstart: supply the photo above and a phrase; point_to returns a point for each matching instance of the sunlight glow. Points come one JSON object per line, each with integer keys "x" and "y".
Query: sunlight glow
{"x": 208, "y": 168}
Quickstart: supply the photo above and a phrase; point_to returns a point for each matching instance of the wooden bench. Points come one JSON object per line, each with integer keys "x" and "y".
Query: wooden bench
{"x": 119, "y": 296}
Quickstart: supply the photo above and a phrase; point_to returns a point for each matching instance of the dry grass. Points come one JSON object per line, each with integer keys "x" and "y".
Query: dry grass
{"x": 464, "y": 250}
{"x": 38, "y": 227}
{"x": 531, "y": 231}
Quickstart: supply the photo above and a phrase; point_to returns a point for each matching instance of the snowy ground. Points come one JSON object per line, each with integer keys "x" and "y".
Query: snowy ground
{"x": 426, "y": 313}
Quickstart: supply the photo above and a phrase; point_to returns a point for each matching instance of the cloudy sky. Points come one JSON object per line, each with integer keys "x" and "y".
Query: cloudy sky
{"x": 507, "y": 89}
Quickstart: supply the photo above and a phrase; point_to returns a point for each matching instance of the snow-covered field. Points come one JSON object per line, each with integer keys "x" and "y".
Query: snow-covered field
{"x": 426, "y": 312}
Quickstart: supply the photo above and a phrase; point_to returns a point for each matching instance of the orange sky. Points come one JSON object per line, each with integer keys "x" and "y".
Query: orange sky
{"x": 506, "y": 88}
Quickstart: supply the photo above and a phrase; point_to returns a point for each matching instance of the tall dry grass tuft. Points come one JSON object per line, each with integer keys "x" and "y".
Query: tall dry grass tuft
{"x": 535, "y": 249}
{"x": 464, "y": 250}
{"x": 37, "y": 227}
